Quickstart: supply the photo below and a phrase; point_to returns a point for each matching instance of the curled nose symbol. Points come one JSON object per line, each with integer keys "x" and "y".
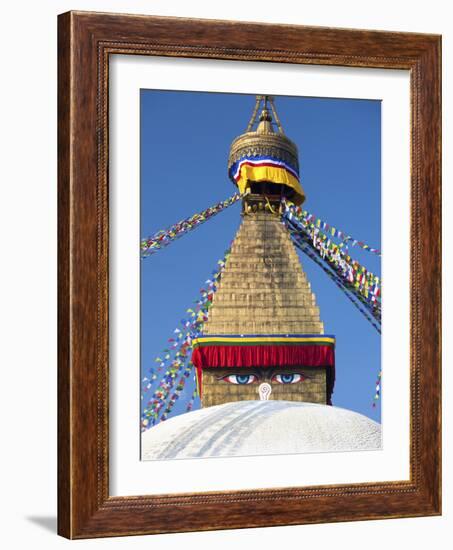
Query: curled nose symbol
{"x": 264, "y": 391}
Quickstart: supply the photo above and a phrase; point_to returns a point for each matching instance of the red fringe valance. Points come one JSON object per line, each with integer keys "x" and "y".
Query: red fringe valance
{"x": 263, "y": 356}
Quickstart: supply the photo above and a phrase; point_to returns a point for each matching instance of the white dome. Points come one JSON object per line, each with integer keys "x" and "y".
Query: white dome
{"x": 247, "y": 428}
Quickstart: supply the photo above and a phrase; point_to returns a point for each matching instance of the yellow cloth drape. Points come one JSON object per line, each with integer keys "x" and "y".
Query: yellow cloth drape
{"x": 271, "y": 174}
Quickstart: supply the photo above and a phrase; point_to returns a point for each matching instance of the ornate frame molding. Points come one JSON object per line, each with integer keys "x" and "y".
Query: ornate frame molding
{"x": 85, "y": 41}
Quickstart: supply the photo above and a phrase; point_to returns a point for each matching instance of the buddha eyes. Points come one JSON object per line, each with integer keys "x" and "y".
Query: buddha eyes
{"x": 292, "y": 378}
{"x": 240, "y": 378}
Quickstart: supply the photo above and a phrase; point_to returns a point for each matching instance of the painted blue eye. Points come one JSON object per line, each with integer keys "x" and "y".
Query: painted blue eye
{"x": 240, "y": 378}
{"x": 289, "y": 378}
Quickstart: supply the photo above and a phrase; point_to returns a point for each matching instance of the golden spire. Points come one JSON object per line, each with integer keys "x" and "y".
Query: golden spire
{"x": 264, "y": 141}
{"x": 265, "y": 115}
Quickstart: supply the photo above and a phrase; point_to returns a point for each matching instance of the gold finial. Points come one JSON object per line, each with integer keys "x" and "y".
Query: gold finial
{"x": 264, "y": 138}
{"x": 265, "y": 116}
{"x": 265, "y": 123}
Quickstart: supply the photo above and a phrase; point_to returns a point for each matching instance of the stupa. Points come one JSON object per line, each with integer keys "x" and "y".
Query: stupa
{"x": 264, "y": 338}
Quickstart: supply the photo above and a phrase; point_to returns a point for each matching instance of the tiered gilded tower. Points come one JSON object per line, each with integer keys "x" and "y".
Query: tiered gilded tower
{"x": 264, "y": 338}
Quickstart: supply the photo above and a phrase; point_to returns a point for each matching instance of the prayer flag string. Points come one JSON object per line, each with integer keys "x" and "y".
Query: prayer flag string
{"x": 331, "y": 231}
{"x": 164, "y": 237}
{"x": 174, "y": 364}
{"x": 304, "y": 247}
{"x": 192, "y": 400}
{"x": 357, "y": 279}
{"x": 378, "y": 389}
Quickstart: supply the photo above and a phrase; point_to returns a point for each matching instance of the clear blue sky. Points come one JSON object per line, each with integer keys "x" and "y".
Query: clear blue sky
{"x": 185, "y": 140}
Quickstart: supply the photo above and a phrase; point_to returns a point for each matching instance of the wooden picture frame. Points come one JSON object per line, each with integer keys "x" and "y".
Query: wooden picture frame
{"x": 85, "y": 41}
